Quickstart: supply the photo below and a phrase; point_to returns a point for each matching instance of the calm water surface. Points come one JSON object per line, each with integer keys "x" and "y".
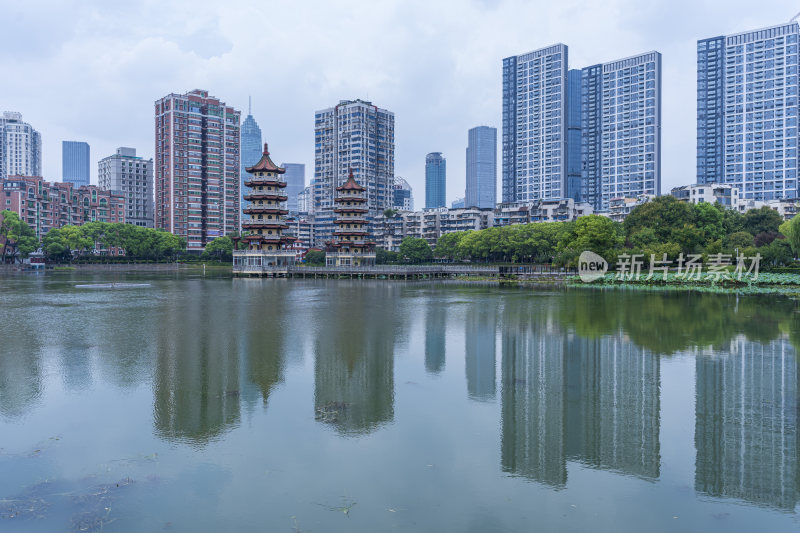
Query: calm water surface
{"x": 287, "y": 405}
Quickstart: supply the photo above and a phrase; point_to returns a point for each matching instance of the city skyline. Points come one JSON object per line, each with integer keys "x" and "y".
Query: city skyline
{"x": 216, "y": 51}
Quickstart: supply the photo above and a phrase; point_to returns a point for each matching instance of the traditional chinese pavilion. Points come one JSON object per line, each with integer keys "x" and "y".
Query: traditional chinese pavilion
{"x": 351, "y": 245}
{"x": 268, "y": 251}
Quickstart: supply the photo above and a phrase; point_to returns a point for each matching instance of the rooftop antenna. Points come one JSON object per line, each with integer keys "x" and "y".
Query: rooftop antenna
{"x": 794, "y": 18}
{"x": 250, "y": 102}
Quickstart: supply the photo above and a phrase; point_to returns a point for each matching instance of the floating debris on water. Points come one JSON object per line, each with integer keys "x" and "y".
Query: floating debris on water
{"x": 112, "y": 285}
{"x": 330, "y": 412}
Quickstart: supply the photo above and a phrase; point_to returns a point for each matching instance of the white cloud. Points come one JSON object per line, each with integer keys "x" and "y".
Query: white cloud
{"x": 92, "y": 70}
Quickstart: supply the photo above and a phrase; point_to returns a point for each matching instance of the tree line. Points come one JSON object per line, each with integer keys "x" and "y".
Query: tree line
{"x": 664, "y": 225}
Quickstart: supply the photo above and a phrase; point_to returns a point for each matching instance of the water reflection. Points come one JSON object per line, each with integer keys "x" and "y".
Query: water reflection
{"x": 20, "y": 367}
{"x": 666, "y": 323}
{"x": 595, "y": 401}
{"x": 435, "y": 335}
{"x": 196, "y": 383}
{"x": 480, "y": 346}
{"x": 746, "y": 425}
{"x": 533, "y": 399}
{"x": 613, "y": 405}
{"x": 354, "y": 357}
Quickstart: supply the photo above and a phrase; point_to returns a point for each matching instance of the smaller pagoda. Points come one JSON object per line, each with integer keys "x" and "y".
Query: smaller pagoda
{"x": 351, "y": 245}
{"x": 268, "y": 252}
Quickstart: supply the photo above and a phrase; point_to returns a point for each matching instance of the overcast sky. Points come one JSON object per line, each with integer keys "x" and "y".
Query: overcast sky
{"x": 90, "y": 71}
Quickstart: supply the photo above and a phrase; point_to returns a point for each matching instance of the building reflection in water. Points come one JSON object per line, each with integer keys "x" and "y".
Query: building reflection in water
{"x": 196, "y": 384}
{"x": 480, "y": 332}
{"x": 533, "y": 401}
{"x": 435, "y": 335}
{"x": 567, "y": 398}
{"x": 746, "y": 425}
{"x": 354, "y": 357}
{"x": 20, "y": 367}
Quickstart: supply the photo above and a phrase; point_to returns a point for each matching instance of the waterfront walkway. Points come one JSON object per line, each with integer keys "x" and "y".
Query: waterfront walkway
{"x": 407, "y": 271}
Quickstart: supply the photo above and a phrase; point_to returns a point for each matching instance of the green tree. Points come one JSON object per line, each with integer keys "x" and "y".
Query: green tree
{"x": 448, "y": 245}
{"x": 220, "y": 249}
{"x": 55, "y": 246}
{"x": 663, "y": 215}
{"x": 384, "y": 257}
{"x": 791, "y": 229}
{"x": 18, "y": 239}
{"x": 594, "y": 233}
{"x": 710, "y": 220}
{"x": 414, "y": 250}
{"x": 315, "y": 258}
{"x": 740, "y": 240}
{"x": 760, "y": 220}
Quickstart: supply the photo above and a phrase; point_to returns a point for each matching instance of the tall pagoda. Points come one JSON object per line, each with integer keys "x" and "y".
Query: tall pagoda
{"x": 351, "y": 245}
{"x": 268, "y": 250}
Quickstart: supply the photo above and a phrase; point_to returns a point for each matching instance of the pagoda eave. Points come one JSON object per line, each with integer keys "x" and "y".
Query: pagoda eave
{"x": 265, "y": 196}
{"x": 264, "y": 183}
{"x": 264, "y": 211}
{"x": 265, "y": 226}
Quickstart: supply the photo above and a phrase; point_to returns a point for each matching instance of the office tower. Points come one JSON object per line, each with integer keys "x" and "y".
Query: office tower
{"x": 250, "y": 149}
{"x": 435, "y": 180}
{"x": 747, "y": 109}
{"x": 295, "y": 178}
{"x": 355, "y": 135}
{"x": 574, "y": 141}
{"x": 458, "y": 203}
{"x": 197, "y": 167}
{"x": 20, "y": 147}
{"x": 481, "y": 189}
{"x": 403, "y": 195}
{"x": 132, "y": 176}
{"x": 75, "y": 162}
{"x": 619, "y": 136}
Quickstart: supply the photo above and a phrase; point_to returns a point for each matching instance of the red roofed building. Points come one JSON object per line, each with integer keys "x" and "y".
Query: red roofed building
{"x": 352, "y": 244}
{"x": 268, "y": 252}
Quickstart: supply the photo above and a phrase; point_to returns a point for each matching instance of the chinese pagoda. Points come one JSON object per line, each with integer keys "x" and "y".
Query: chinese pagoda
{"x": 268, "y": 251}
{"x": 351, "y": 245}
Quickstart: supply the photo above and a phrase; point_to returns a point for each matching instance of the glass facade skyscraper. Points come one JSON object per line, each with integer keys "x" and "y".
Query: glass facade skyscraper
{"x": 591, "y": 134}
{"x": 435, "y": 180}
{"x": 75, "y": 163}
{"x": 252, "y": 148}
{"x": 295, "y": 178}
{"x": 481, "y": 167}
{"x": 747, "y": 111}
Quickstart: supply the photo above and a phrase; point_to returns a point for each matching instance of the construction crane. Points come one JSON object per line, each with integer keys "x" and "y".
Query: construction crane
{"x": 794, "y": 17}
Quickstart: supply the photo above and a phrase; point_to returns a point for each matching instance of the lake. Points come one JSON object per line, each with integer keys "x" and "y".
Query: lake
{"x": 218, "y": 404}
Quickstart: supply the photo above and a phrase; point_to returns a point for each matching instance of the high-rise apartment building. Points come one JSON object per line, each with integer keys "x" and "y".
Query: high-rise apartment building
{"x": 481, "y": 167}
{"x": 534, "y": 125}
{"x": 20, "y": 147}
{"x": 295, "y": 178}
{"x": 592, "y": 134}
{"x": 75, "y": 162}
{"x": 132, "y": 177}
{"x": 435, "y": 180}
{"x": 747, "y": 111}
{"x": 197, "y": 167}
{"x": 353, "y": 135}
